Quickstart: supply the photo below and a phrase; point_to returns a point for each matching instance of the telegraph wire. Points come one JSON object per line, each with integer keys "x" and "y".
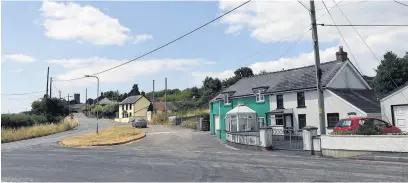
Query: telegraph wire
{"x": 365, "y": 25}
{"x": 165, "y": 45}
{"x": 28, "y": 93}
{"x": 308, "y": 9}
{"x": 351, "y": 53}
{"x": 401, "y": 3}
{"x": 368, "y": 47}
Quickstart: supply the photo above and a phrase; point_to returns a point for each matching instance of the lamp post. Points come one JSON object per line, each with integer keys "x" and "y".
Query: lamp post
{"x": 97, "y": 96}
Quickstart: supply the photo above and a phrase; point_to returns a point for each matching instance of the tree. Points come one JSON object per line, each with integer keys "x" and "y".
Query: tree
{"x": 391, "y": 67}
{"x": 263, "y": 72}
{"x": 134, "y": 91}
{"x": 52, "y": 108}
{"x": 243, "y": 72}
{"x": 143, "y": 93}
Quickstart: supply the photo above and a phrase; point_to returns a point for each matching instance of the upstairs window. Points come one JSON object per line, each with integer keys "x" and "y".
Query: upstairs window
{"x": 279, "y": 101}
{"x": 126, "y": 107}
{"x": 130, "y": 106}
{"x": 227, "y": 99}
{"x": 259, "y": 97}
{"x": 301, "y": 99}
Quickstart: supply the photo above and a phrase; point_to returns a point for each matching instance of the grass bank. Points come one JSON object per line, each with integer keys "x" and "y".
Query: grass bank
{"x": 10, "y": 135}
{"x": 118, "y": 134}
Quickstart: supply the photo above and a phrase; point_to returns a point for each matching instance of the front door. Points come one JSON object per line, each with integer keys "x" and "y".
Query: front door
{"x": 217, "y": 126}
{"x": 401, "y": 117}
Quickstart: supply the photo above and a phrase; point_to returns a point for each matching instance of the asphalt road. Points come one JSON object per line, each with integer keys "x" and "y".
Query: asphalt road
{"x": 170, "y": 153}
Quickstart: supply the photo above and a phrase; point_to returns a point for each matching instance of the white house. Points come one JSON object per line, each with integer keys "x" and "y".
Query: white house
{"x": 291, "y": 96}
{"x": 394, "y": 107}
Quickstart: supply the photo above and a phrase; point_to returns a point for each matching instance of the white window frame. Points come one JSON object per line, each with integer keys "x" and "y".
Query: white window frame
{"x": 263, "y": 122}
{"x": 227, "y": 100}
{"x": 259, "y": 97}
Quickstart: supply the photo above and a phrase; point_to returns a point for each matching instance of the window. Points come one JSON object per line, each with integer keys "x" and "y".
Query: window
{"x": 233, "y": 123}
{"x": 279, "y": 120}
{"x": 239, "y": 123}
{"x": 332, "y": 119}
{"x": 123, "y": 107}
{"x": 126, "y": 107}
{"x": 261, "y": 122}
{"x": 130, "y": 106}
{"x": 227, "y": 99}
{"x": 259, "y": 97}
{"x": 380, "y": 123}
{"x": 301, "y": 99}
{"x": 130, "y": 114}
{"x": 279, "y": 101}
{"x": 344, "y": 123}
{"x": 302, "y": 120}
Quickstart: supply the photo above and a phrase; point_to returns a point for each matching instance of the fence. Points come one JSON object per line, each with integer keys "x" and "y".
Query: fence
{"x": 289, "y": 139}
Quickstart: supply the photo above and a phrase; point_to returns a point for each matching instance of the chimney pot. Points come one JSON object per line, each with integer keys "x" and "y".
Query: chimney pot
{"x": 341, "y": 55}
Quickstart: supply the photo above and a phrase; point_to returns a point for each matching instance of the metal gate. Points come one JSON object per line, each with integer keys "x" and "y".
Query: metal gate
{"x": 288, "y": 139}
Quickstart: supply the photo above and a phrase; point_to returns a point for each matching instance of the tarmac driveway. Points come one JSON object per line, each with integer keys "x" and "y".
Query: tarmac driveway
{"x": 176, "y": 138}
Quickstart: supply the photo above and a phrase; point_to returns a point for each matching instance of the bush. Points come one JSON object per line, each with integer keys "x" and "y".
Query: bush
{"x": 21, "y": 120}
{"x": 159, "y": 119}
{"x": 369, "y": 129}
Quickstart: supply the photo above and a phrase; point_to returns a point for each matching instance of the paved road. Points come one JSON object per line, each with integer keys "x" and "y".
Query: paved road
{"x": 170, "y": 153}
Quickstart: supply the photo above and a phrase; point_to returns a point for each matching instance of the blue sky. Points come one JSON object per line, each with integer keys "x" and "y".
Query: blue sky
{"x": 50, "y": 34}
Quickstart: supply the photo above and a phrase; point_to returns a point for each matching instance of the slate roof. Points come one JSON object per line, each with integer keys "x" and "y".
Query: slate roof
{"x": 286, "y": 80}
{"x": 363, "y": 99}
{"x": 131, "y": 99}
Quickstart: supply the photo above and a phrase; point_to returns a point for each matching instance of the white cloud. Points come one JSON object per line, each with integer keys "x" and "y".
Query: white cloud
{"x": 142, "y": 38}
{"x": 15, "y": 70}
{"x": 21, "y": 58}
{"x": 70, "y": 21}
{"x": 78, "y": 67}
{"x": 234, "y": 29}
{"x": 198, "y": 77}
{"x": 271, "y": 21}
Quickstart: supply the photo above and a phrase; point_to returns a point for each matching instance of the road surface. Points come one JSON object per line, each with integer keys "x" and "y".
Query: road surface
{"x": 171, "y": 153}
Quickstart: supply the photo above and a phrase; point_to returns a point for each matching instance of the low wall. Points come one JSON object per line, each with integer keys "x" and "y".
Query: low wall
{"x": 353, "y": 145}
{"x": 246, "y": 138}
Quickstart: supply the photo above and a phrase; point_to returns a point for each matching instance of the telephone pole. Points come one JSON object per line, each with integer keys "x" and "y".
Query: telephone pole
{"x": 51, "y": 87}
{"x": 48, "y": 76}
{"x": 165, "y": 96}
{"x": 153, "y": 97}
{"x": 59, "y": 92}
{"x": 320, "y": 98}
{"x": 86, "y": 101}
{"x": 69, "y": 106}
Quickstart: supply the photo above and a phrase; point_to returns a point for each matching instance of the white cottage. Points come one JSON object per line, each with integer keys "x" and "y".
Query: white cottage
{"x": 394, "y": 107}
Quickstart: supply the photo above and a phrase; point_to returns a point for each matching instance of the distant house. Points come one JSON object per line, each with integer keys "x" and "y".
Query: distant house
{"x": 394, "y": 107}
{"x": 133, "y": 107}
{"x": 160, "y": 107}
{"x": 106, "y": 101}
{"x": 76, "y": 107}
{"x": 287, "y": 99}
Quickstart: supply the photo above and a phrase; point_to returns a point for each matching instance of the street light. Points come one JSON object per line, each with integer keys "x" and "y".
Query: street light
{"x": 97, "y": 96}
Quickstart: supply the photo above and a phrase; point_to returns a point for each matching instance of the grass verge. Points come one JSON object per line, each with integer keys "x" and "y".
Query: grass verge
{"x": 189, "y": 124}
{"x": 10, "y": 135}
{"x": 118, "y": 134}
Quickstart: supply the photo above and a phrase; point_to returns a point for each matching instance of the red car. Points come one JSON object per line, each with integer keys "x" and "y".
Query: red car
{"x": 354, "y": 123}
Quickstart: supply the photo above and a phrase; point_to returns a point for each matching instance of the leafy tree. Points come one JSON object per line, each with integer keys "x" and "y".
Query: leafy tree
{"x": 243, "y": 72}
{"x": 134, "y": 91}
{"x": 143, "y": 93}
{"x": 263, "y": 72}
{"x": 52, "y": 108}
{"x": 393, "y": 67}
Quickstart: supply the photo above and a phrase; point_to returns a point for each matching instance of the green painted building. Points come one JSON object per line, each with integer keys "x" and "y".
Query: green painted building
{"x": 218, "y": 110}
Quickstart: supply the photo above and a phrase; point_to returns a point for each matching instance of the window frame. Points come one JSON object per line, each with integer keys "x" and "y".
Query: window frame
{"x": 280, "y": 118}
{"x": 279, "y": 101}
{"x": 331, "y": 122}
{"x": 263, "y": 122}
{"x": 258, "y": 96}
{"x": 227, "y": 100}
{"x": 305, "y": 121}
{"x": 130, "y": 106}
{"x": 303, "y": 100}
{"x": 127, "y": 107}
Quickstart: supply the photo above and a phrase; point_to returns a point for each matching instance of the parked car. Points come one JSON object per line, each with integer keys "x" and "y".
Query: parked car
{"x": 139, "y": 123}
{"x": 354, "y": 123}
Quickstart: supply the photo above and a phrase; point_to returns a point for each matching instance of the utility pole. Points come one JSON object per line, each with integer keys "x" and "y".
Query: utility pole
{"x": 320, "y": 98}
{"x": 51, "y": 87}
{"x": 86, "y": 101}
{"x": 165, "y": 96}
{"x": 153, "y": 98}
{"x": 59, "y": 92}
{"x": 69, "y": 106}
{"x": 48, "y": 76}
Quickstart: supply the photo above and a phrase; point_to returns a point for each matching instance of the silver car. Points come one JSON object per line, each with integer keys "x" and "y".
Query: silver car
{"x": 139, "y": 123}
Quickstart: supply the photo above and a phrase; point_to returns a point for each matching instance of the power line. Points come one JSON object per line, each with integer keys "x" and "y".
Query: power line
{"x": 29, "y": 93}
{"x": 304, "y": 5}
{"x": 365, "y": 25}
{"x": 401, "y": 3}
{"x": 352, "y": 55}
{"x": 376, "y": 58}
{"x": 160, "y": 47}
{"x": 344, "y": 4}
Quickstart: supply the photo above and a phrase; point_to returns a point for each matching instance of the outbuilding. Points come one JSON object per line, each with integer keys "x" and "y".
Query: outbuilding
{"x": 394, "y": 107}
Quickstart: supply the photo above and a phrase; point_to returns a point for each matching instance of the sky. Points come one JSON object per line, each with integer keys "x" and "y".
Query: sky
{"x": 75, "y": 38}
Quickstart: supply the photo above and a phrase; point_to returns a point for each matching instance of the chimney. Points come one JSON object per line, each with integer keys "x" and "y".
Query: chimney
{"x": 341, "y": 55}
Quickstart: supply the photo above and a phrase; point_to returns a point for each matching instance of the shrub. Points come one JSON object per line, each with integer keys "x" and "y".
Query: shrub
{"x": 369, "y": 129}
{"x": 159, "y": 119}
{"x": 21, "y": 120}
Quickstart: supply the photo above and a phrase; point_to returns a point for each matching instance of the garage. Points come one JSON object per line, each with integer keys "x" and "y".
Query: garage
{"x": 400, "y": 117}
{"x": 394, "y": 107}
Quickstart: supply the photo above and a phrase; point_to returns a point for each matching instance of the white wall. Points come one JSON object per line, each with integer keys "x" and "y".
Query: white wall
{"x": 332, "y": 105}
{"x": 387, "y": 143}
{"x": 347, "y": 78}
{"x": 396, "y": 98}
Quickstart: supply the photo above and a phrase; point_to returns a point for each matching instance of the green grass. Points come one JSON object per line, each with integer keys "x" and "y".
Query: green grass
{"x": 10, "y": 135}
{"x": 192, "y": 112}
